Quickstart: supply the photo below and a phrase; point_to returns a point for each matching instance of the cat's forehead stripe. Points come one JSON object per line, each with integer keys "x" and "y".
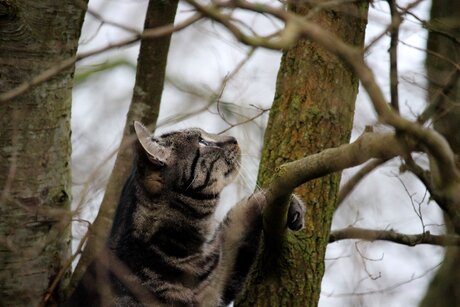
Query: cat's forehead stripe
{"x": 165, "y": 135}
{"x": 187, "y": 131}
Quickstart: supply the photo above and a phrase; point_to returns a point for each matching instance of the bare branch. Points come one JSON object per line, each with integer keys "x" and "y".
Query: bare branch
{"x": 64, "y": 269}
{"x": 297, "y": 27}
{"x": 395, "y": 24}
{"x": 403, "y": 11}
{"x": 284, "y": 38}
{"x": 434, "y": 105}
{"x": 348, "y": 187}
{"x": 367, "y": 146}
{"x": 63, "y": 65}
{"x": 227, "y": 78}
{"x": 328, "y": 161}
{"x": 423, "y": 175}
{"x": 231, "y": 126}
{"x": 145, "y": 108}
{"x": 387, "y": 289}
{"x": 436, "y": 145}
{"x": 99, "y": 17}
{"x": 364, "y": 260}
{"x": 417, "y": 208}
{"x": 393, "y": 236}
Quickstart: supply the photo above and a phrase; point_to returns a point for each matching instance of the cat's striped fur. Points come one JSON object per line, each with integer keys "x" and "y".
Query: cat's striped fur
{"x": 164, "y": 236}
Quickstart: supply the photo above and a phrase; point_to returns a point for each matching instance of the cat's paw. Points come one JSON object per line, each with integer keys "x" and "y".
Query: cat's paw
{"x": 296, "y": 213}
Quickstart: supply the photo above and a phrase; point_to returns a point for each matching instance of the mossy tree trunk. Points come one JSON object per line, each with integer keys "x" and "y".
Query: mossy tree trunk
{"x": 312, "y": 110}
{"x": 444, "y": 97}
{"x": 35, "y": 146}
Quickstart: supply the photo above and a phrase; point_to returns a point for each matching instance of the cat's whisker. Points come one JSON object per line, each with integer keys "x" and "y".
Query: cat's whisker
{"x": 191, "y": 182}
{"x": 249, "y": 181}
{"x": 243, "y": 176}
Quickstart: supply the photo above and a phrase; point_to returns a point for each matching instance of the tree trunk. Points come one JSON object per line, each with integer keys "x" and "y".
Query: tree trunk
{"x": 35, "y": 146}
{"x": 444, "y": 97}
{"x": 312, "y": 110}
{"x": 145, "y": 105}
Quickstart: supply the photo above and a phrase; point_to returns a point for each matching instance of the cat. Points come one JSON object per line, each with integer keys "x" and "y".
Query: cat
{"x": 165, "y": 247}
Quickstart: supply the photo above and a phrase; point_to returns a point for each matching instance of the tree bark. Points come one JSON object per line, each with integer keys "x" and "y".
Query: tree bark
{"x": 35, "y": 147}
{"x": 312, "y": 110}
{"x": 145, "y": 105}
{"x": 444, "y": 97}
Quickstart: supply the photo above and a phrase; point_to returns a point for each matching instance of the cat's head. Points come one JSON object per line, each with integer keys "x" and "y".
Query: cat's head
{"x": 188, "y": 161}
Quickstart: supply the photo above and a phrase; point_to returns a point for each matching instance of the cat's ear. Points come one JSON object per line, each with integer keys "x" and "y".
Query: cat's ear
{"x": 157, "y": 154}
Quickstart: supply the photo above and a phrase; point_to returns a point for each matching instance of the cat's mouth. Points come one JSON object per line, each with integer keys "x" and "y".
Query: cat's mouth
{"x": 232, "y": 158}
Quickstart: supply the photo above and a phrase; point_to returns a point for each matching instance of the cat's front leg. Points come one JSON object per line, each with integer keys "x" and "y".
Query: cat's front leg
{"x": 241, "y": 233}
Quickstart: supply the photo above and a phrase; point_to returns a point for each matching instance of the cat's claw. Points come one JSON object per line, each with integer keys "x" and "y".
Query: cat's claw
{"x": 296, "y": 213}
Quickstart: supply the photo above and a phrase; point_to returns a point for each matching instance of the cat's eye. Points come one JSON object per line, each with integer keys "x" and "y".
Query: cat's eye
{"x": 203, "y": 142}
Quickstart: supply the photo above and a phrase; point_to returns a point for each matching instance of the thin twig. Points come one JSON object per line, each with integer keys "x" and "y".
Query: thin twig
{"x": 227, "y": 78}
{"x": 231, "y": 126}
{"x": 351, "y": 184}
{"x": 64, "y": 269}
{"x": 363, "y": 262}
{"x": 353, "y": 233}
{"x": 417, "y": 209}
{"x": 296, "y": 27}
{"x": 387, "y": 289}
{"x": 67, "y": 63}
{"x": 403, "y": 12}
{"x": 423, "y": 175}
{"x": 83, "y": 5}
{"x": 394, "y": 34}
{"x": 436, "y": 99}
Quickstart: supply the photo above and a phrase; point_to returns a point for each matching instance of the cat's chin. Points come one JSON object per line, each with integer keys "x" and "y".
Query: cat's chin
{"x": 222, "y": 182}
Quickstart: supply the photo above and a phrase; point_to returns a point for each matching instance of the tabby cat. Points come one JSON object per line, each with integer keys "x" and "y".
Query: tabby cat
{"x": 165, "y": 247}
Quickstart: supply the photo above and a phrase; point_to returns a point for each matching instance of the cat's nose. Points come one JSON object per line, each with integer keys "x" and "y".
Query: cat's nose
{"x": 227, "y": 140}
{"x": 230, "y": 140}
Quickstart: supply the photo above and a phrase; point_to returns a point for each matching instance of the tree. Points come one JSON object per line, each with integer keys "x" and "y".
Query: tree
{"x": 35, "y": 147}
{"x": 145, "y": 108}
{"x": 310, "y": 112}
{"x": 443, "y": 93}
{"x": 315, "y": 140}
